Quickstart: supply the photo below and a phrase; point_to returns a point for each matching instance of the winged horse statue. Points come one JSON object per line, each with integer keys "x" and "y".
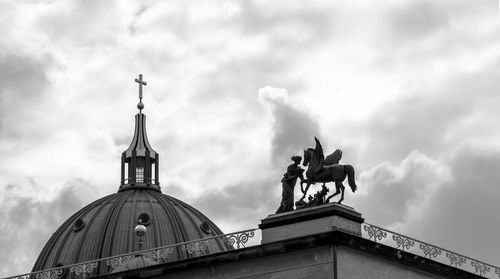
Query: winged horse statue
{"x": 321, "y": 169}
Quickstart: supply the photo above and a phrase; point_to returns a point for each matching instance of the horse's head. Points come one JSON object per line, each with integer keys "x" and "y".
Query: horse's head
{"x": 307, "y": 156}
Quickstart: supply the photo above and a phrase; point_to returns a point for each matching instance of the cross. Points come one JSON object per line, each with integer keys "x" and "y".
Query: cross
{"x": 141, "y": 83}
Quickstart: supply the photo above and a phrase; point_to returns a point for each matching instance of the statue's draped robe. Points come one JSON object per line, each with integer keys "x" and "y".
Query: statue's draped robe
{"x": 288, "y": 182}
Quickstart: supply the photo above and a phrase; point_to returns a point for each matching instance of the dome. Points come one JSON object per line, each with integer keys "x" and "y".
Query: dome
{"x": 105, "y": 228}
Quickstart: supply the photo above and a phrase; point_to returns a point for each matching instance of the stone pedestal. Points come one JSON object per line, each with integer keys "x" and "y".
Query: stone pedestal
{"x": 308, "y": 221}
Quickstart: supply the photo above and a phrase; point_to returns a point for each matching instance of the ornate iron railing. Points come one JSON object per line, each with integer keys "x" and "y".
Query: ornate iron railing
{"x": 433, "y": 252}
{"x": 196, "y": 248}
{"x": 239, "y": 239}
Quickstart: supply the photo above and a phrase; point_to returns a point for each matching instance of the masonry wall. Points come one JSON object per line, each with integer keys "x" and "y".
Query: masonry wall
{"x": 311, "y": 263}
{"x": 354, "y": 264}
{"x": 335, "y": 255}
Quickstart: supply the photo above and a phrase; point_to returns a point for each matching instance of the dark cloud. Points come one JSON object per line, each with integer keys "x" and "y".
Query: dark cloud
{"x": 174, "y": 190}
{"x": 418, "y": 19}
{"x": 22, "y": 75}
{"x": 417, "y": 33}
{"x": 421, "y": 18}
{"x": 121, "y": 140}
{"x": 450, "y": 202}
{"x": 140, "y": 11}
{"x": 415, "y": 122}
{"x": 293, "y": 129}
{"x": 462, "y": 214}
{"x": 28, "y": 223}
{"x": 434, "y": 123}
{"x": 241, "y": 205}
{"x": 432, "y": 120}
{"x": 317, "y": 23}
{"x": 81, "y": 23}
{"x": 24, "y": 84}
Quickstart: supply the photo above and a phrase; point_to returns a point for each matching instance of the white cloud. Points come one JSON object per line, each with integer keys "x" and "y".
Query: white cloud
{"x": 269, "y": 95}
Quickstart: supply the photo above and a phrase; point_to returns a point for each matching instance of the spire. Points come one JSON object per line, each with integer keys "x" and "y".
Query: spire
{"x": 139, "y": 164}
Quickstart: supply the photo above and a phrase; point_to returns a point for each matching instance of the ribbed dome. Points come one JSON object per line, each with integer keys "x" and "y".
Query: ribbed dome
{"x": 105, "y": 228}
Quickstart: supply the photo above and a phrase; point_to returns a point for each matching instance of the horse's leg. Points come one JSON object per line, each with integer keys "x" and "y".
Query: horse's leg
{"x": 305, "y": 191}
{"x": 337, "y": 191}
{"x": 342, "y": 188}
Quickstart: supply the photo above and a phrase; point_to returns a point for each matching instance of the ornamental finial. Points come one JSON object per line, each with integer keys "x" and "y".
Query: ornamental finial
{"x": 140, "y": 105}
{"x": 140, "y": 231}
{"x": 139, "y": 164}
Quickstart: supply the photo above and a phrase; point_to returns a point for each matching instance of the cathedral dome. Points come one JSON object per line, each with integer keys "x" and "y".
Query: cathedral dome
{"x": 105, "y": 228}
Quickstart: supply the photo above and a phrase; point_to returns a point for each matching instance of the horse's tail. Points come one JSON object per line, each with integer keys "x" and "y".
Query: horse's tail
{"x": 350, "y": 177}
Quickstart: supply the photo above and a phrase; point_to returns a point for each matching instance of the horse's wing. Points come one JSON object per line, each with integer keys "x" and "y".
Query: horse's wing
{"x": 319, "y": 148}
{"x": 333, "y": 158}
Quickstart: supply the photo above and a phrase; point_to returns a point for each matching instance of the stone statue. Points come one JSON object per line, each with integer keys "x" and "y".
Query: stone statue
{"x": 293, "y": 172}
{"x": 321, "y": 169}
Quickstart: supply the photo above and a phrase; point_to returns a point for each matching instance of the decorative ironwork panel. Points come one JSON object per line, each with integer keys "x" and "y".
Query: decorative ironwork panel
{"x": 84, "y": 268}
{"x": 199, "y": 246}
{"x": 50, "y": 274}
{"x": 480, "y": 267}
{"x": 158, "y": 254}
{"x": 240, "y": 239}
{"x": 373, "y": 232}
{"x": 455, "y": 259}
{"x": 119, "y": 261}
{"x": 404, "y": 242}
{"x": 430, "y": 251}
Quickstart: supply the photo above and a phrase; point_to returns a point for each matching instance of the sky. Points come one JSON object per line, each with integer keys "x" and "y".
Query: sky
{"x": 409, "y": 90}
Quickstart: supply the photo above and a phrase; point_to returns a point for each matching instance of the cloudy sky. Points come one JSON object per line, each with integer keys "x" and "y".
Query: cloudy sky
{"x": 408, "y": 89}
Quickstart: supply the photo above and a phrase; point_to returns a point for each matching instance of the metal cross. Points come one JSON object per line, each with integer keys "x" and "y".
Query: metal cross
{"x": 141, "y": 83}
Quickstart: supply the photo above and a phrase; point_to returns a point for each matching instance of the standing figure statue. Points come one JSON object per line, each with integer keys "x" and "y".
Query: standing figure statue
{"x": 293, "y": 172}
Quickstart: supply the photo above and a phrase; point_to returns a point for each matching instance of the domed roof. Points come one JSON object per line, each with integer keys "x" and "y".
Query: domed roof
{"x": 105, "y": 228}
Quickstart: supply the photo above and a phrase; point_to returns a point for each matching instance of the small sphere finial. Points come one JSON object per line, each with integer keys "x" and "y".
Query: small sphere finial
{"x": 140, "y": 106}
{"x": 140, "y": 230}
